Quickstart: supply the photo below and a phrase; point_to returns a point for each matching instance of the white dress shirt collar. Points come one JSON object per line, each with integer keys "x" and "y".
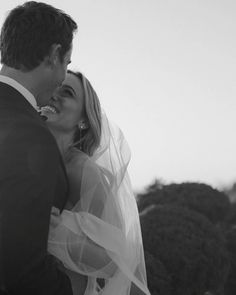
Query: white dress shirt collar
{"x": 25, "y": 92}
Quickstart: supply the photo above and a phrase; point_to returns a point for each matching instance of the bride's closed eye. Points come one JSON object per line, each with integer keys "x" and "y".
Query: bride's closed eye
{"x": 66, "y": 91}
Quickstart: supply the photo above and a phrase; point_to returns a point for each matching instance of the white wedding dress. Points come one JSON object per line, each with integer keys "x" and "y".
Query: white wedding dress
{"x": 100, "y": 237}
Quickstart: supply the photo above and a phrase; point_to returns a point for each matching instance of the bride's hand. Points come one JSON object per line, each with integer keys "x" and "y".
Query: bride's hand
{"x": 55, "y": 217}
{"x": 69, "y": 206}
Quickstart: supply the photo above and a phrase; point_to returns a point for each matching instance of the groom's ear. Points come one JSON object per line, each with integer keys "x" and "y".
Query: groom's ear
{"x": 54, "y": 55}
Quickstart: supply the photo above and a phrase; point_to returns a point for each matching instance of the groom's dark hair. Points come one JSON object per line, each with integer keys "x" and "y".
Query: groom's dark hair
{"x": 29, "y": 32}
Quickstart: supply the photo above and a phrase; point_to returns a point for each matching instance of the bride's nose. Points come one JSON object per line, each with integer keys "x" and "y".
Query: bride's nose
{"x": 55, "y": 97}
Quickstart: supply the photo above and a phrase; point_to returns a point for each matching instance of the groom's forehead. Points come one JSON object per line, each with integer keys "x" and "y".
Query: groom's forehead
{"x": 67, "y": 56}
{"x": 68, "y": 53}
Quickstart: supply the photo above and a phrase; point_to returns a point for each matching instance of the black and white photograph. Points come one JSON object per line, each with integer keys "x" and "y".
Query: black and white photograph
{"x": 117, "y": 147}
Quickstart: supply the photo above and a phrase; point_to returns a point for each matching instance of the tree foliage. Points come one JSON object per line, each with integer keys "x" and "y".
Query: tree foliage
{"x": 199, "y": 197}
{"x": 187, "y": 246}
{"x": 159, "y": 280}
{"x": 230, "y": 286}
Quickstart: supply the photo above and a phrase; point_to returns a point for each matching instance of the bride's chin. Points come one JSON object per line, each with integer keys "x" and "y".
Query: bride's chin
{"x": 51, "y": 120}
{"x": 51, "y": 117}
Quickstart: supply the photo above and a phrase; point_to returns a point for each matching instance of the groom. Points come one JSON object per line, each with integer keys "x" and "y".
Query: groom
{"x": 35, "y": 43}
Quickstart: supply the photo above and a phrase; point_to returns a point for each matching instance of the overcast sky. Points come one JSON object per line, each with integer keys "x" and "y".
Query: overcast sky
{"x": 165, "y": 72}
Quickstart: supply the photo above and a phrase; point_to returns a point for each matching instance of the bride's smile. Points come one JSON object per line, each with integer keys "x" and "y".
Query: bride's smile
{"x": 49, "y": 109}
{"x": 65, "y": 108}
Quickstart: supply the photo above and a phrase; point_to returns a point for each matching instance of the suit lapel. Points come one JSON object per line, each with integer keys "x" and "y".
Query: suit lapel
{"x": 10, "y": 98}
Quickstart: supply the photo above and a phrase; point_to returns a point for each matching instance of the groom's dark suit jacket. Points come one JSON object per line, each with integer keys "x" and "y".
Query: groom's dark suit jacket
{"x": 32, "y": 180}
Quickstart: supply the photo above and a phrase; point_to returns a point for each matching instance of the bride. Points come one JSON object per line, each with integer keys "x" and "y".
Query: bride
{"x": 97, "y": 237}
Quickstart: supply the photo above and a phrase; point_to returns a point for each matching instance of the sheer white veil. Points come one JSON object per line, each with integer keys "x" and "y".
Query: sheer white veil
{"x": 106, "y": 244}
{"x": 114, "y": 155}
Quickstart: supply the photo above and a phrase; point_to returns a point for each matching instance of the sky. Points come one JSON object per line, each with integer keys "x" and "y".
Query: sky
{"x": 165, "y": 73}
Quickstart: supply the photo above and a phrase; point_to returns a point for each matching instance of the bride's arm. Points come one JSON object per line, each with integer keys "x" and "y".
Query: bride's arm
{"x": 68, "y": 241}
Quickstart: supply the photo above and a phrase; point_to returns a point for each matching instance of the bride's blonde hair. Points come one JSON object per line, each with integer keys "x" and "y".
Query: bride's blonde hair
{"x": 88, "y": 139}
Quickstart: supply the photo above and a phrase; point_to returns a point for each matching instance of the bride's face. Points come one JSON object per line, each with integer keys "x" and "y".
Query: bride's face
{"x": 66, "y": 107}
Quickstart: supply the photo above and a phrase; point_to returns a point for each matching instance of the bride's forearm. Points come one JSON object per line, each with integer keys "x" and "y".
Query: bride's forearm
{"x": 78, "y": 249}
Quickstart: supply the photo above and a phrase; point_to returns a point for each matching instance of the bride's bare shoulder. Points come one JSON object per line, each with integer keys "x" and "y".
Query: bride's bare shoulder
{"x": 82, "y": 171}
{"x": 78, "y": 161}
